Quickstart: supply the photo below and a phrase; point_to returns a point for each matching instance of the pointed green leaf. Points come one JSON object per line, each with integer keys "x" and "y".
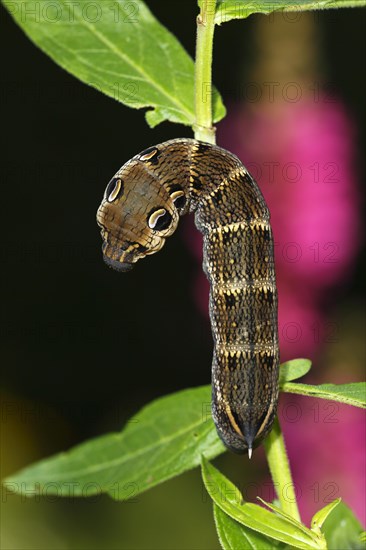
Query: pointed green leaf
{"x": 343, "y": 530}
{"x": 234, "y": 536}
{"x": 319, "y": 518}
{"x": 294, "y": 369}
{"x": 226, "y": 10}
{"x": 228, "y": 498}
{"x": 352, "y": 394}
{"x": 166, "y": 438}
{"x": 275, "y": 508}
{"x": 118, "y": 47}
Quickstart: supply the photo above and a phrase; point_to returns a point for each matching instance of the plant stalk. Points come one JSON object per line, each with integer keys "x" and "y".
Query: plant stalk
{"x": 280, "y": 471}
{"x": 203, "y": 128}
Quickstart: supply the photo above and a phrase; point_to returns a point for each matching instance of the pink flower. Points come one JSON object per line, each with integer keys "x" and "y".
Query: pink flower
{"x": 302, "y": 155}
{"x": 327, "y": 456}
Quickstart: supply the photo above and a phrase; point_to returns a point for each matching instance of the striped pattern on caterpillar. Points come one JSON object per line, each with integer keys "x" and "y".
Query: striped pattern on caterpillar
{"x": 141, "y": 207}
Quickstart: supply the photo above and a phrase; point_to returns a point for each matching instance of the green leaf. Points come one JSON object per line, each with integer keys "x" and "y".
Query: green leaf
{"x": 294, "y": 369}
{"x": 343, "y": 530}
{"x": 118, "y": 47}
{"x": 352, "y": 394}
{"x": 241, "y": 9}
{"x": 166, "y": 438}
{"x": 227, "y": 497}
{"x": 275, "y": 508}
{"x": 234, "y": 536}
{"x": 319, "y": 518}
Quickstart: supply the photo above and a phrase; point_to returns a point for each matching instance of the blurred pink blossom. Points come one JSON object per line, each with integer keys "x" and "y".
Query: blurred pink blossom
{"x": 326, "y": 452}
{"x": 303, "y": 153}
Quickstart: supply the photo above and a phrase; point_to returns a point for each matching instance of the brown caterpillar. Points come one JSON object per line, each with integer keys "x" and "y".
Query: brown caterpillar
{"x": 141, "y": 208}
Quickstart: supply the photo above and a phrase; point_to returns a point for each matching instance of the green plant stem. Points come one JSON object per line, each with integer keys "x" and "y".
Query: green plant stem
{"x": 280, "y": 471}
{"x": 203, "y": 129}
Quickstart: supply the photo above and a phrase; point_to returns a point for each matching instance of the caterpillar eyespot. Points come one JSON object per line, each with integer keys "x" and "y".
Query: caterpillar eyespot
{"x": 178, "y": 196}
{"x": 149, "y": 154}
{"x": 238, "y": 260}
{"x": 159, "y": 219}
{"x": 179, "y": 199}
{"x": 113, "y": 189}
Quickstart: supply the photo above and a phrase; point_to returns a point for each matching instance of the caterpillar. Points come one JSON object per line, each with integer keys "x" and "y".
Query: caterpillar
{"x": 141, "y": 208}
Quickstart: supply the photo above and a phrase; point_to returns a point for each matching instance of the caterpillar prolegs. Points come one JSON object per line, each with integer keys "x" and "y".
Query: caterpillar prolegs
{"x": 141, "y": 208}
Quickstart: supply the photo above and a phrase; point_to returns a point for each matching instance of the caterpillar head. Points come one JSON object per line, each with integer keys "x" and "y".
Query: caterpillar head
{"x": 140, "y": 208}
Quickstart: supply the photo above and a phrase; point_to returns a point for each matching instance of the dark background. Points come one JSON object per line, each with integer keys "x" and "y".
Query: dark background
{"x": 88, "y": 345}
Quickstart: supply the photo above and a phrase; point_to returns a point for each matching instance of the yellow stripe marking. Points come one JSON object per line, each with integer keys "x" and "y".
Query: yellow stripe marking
{"x": 263, "y": 425}
{"x": 259, "y": 284}
{"x": 258, "y": 349}
{"x": 253, "y": 224}
{"x": 232, "y": 420}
